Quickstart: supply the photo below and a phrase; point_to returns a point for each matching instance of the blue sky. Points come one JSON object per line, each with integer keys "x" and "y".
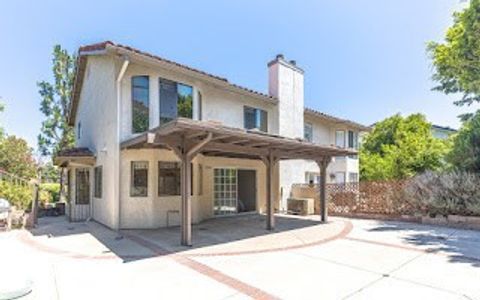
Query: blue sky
{"x": 363, "y": 59}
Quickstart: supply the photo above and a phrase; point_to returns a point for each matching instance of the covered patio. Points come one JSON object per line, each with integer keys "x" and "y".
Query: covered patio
{"x": 187, "y": 138}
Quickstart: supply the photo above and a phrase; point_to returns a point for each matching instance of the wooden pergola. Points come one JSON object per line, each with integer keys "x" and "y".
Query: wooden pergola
{"x": 187, "y": 138}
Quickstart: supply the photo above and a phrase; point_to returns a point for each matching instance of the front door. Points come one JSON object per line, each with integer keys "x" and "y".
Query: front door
{"x": 81, "y": 207}
{"x": 225, "y": 191}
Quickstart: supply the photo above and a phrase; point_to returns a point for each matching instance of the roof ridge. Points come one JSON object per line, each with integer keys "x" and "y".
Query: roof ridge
{"x": 334, "y": 118}
{"x": 103, "y": 45}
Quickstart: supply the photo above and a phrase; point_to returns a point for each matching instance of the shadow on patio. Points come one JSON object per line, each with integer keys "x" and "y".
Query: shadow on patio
{"x": 229, "y": 235}
{"x": 459, "y": 245}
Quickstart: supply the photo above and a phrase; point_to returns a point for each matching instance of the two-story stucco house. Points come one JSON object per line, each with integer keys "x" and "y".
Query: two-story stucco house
{"x": 161, "y": 144}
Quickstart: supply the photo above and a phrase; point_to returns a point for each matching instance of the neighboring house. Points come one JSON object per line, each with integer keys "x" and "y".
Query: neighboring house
{"x": 441, "y": 132}
{"x": 118, "y": 177}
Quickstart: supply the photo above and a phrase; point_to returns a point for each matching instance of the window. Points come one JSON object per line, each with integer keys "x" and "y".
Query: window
{"x": 169, "y": 178}
{"x": 139, "y": 179}
{"x": 79, "y": 130}
{"x": 98, "y": 174}
{"x": 82, "y": 186}
{"x": 340, "y": 138}
{"x": 340, "y": 177}
{"x": 352, "y": 177}
{"x": 308, "y": 132}
{"x": 312, "y": 177}
{"x": 352, "y": 139}
{"x": 255, "y": 118}
{"x": 176, "y": 100}
{"x": 140, "y": 104}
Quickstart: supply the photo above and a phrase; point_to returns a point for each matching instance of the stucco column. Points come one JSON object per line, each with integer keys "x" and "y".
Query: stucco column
{"x": 323, "y": 164}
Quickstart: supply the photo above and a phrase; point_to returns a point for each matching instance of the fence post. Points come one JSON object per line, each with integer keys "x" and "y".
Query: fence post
{"x": 36, "y": 194}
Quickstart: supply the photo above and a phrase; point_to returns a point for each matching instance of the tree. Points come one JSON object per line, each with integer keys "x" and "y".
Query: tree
{"x": 465, "y": 153}
{"x": 2, "y": 131}
{"x": 399, "y": 148}
{"x": 457, "y": 59}
{"x": 49, "y": 173}
{"x": 56, "y": 134}
{"x": 16, "y": 157}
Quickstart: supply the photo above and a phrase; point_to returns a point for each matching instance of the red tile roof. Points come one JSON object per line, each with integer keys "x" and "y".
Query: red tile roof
{"x": 333, "y": 119}
{"x": 75, "y": 152}
{"x": 83, "y": 51}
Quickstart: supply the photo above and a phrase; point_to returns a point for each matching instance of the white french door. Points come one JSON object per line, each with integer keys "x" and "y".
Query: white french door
{"x": 225, "y": 187}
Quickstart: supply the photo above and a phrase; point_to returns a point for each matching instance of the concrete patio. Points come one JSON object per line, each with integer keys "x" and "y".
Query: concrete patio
{"x": 238, "y": 258}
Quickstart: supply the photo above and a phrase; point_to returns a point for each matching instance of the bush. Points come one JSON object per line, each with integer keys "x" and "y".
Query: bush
{"x": 456, "y": 193}
{"x": 49, "y": 192}
{"x": 18, "y": 195}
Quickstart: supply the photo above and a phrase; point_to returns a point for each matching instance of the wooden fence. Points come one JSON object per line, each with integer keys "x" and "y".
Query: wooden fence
{"x": 382, "y": 198}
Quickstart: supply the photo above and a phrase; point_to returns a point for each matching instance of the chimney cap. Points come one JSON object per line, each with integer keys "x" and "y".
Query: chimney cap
{"x": 293, "y": 62}
{"x": 280, "y": 56}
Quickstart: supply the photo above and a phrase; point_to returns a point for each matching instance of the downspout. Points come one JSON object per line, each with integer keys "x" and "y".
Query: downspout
{"x": 126, "y": 61}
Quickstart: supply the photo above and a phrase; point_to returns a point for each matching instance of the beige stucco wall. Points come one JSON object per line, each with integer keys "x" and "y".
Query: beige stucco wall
{"x": 97, "y": 115}
{"x": 324, "y": 133}
{"x": 218, "y": 104}
{"x": 151, "y": 211}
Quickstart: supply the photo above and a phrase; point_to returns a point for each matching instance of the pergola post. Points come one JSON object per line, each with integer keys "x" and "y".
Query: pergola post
{"x": 270, "y": 162}
{"x": 186, "y": 152}
{"x": 323, "y": 164}
{"x": 186, "y": 210}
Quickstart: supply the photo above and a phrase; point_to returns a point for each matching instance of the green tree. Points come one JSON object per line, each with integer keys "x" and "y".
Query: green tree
{"x": 457, "y": 59}
{"x": 49, "y": 173}
{"x": 56, "y": 134}
{"x": 465, "y": 153}
{"x": 16, "y": 157}
{"x": 399, "y": 148}
{"x": 2, "y": 131}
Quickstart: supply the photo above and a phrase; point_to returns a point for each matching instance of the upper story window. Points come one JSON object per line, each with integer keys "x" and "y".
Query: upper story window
{"x": 255, "y": 118}
{"x": 352, "y": 139}
{"x": 176, "y": 100}
{"x": 308, "y": 132}
{"x": 79, "y": 130}
{"x": 140, "y": 103}
{"x": 340, "y": 138}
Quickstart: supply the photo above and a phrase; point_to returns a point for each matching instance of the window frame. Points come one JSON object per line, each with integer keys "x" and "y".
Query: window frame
{"x": 98, "y": 182}
{"x": 179, "y": 166}
{"x": 337, "y": 140}
{"x": 350, "y": 177}
{"x": 133, "y": 100}
{"x": 132, "y": 179}
{"x": 161, "y": 193}
{"x": 309, "y": 126}
{"x": 260, "y": 115}
{"x": 163, "y": 119}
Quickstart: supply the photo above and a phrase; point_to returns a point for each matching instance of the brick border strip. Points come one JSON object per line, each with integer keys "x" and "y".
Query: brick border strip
{"x": 347, "y": 228}
{"x": 205, "y": 270}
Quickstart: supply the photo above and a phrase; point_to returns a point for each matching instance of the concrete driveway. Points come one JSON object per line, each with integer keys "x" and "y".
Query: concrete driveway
{"x": 236, "y": 258}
